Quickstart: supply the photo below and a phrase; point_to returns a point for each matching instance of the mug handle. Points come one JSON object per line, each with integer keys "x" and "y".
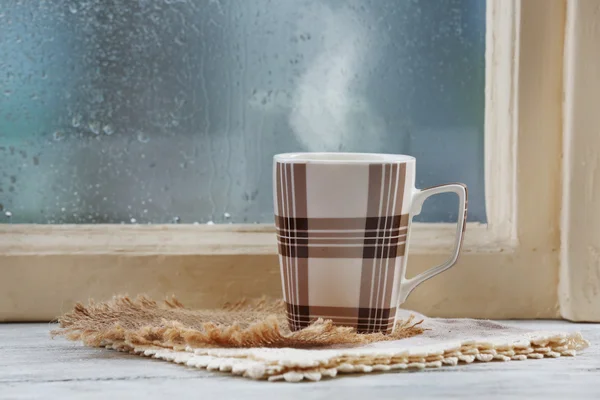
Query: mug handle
{"x": 419, "y": 198}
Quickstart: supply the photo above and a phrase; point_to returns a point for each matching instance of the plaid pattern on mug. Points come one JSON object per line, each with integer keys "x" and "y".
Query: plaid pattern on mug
{"x": 342, "y": 247}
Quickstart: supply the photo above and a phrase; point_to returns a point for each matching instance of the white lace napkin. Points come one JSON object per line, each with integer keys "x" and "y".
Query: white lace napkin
{"x": 445, "y": 343}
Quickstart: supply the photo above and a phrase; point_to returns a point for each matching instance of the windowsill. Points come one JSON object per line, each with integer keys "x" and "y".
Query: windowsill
{"x": 426, "y": 238}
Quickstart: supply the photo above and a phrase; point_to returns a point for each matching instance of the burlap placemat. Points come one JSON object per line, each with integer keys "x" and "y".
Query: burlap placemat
{"x": 251, "y": 338}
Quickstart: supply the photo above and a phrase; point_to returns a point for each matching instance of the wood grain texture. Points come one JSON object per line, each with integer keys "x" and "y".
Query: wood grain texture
{"x": 580, "y": 264}
{"x": 35, "y": 366}
{"x": 501, "y": 118}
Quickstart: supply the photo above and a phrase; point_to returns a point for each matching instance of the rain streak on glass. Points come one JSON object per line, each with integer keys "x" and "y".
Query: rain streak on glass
{"x": 156, "y": 111}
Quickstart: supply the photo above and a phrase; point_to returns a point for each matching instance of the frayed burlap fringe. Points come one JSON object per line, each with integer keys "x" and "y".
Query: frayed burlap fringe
{"x": 129, "y": 324}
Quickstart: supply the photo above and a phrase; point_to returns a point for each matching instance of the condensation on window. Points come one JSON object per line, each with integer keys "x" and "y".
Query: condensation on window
{"x": 148, "y": 111}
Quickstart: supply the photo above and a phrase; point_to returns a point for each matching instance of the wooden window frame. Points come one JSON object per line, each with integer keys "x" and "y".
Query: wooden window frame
{"x": 509, "y": 267}
{"x": 579, "y": 291}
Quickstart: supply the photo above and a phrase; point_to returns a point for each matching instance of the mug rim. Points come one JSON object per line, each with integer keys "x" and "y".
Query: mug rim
{"x": 342, "y": 158}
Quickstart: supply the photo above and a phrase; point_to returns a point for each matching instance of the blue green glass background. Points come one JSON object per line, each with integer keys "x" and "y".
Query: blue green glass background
{"x": 147, "y": 111}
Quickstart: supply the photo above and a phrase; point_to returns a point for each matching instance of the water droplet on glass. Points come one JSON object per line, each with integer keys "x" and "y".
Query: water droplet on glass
{"x": 142, "y": 138}
{"x": 108, "y": 130}
{"x": 145, "y": 211}
{"x": 73, "y": 9}
{"x": 58, "y": 136}
{"x": 76, "y": 121}
{"x": 63, "y": 209}
{"x": 94, "y": 127}
{"x": 133, "y": 220}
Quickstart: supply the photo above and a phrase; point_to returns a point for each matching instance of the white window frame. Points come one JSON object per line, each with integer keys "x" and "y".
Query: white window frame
{"x": 509, "y": 267}
{"x": 579, "y": 291}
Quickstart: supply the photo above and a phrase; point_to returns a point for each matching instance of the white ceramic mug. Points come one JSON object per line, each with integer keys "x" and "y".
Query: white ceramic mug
{"x": 343, "y": 227}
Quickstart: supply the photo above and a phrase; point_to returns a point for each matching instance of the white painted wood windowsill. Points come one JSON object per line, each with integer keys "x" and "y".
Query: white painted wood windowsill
{"x": 35, "y": 366}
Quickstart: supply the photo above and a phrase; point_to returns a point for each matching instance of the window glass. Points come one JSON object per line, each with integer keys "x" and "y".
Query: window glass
{"x": 148, "y": 111}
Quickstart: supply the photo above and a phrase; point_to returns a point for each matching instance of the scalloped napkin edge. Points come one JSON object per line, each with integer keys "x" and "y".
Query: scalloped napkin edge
{"x": 446, "y": 342}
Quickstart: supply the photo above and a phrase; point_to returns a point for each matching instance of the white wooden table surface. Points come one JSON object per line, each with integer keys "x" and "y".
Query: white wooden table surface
{"x": 32, "y": 365}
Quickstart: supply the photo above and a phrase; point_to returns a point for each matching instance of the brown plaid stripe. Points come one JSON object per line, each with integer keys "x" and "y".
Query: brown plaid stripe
{"x": 378, "y": 238}
{"x": 368, "y": 224}
{"x": 291, "y": 179}
{"x": 381, "y": 237}
{"x": 379, "y": 251}
{"x": 360, "y": 318}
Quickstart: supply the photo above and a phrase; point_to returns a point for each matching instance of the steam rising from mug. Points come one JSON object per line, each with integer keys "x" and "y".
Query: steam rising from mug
{"x": 329, "y": 109}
